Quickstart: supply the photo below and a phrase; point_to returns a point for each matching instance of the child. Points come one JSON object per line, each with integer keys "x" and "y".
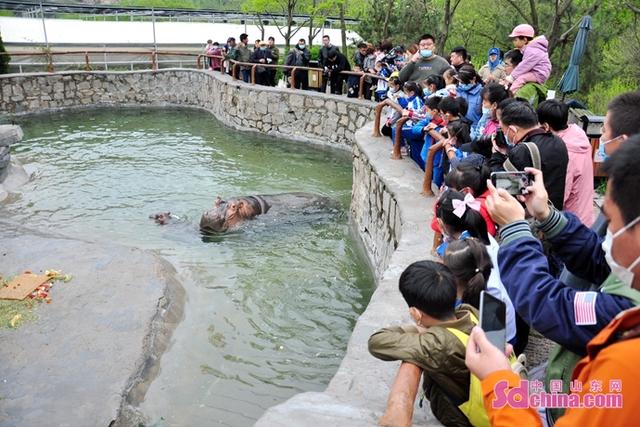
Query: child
{"x": 429, "y": 290}
{"x": 450, "y": 82}
{"x": 471, "y": 266}
{"x": 459, "y": 218}
{"x": 411, "y": 106}
{"x": 382, "y": 70}
{"x": 535, "y": 66}
{"x": 434, "y": 87}
{"x": 420, "y": 132}
{"x": 394, "y": 93}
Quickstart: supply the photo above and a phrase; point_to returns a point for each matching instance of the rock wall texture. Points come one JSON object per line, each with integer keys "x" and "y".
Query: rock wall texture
{"x": 9, "y": 134}
{"x": 300, "y": 115}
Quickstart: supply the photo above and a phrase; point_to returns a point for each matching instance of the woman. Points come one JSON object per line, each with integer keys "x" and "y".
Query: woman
{"x": 493, "y": 70}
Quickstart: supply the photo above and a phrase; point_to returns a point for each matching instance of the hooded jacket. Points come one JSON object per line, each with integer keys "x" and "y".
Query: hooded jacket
{"x": 474, "y": 100}
{"x": 578, "y": 188}
{"x": 440, "y": 354}
{"x": 535, "y": 59}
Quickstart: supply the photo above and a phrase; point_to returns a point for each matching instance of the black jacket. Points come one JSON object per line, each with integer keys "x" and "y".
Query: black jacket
{"x": 340, "y": 64}
{"x": 325, "y": 53}
{"x": 553, "y": 156}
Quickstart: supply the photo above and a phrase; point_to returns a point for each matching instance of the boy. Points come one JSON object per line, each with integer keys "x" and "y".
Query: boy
{"x": 429, "y": 289}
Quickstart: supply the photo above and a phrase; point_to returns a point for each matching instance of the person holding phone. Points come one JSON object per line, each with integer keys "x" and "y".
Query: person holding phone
{"x": 573, "y": 317}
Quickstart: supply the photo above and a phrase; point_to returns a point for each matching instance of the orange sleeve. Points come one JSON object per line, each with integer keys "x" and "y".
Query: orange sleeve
{"x": 506, "y": 415}
{"x": 618, "y": 362}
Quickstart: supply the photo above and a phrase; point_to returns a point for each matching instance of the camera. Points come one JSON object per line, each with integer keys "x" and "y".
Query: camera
{"x": 515, "y": 183}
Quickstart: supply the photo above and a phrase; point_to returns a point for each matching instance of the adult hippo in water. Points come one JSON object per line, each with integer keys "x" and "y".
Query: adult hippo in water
{"x": 230, "y": 213}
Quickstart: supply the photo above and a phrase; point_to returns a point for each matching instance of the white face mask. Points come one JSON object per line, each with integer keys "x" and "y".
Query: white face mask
{"x": 625, "y": 274}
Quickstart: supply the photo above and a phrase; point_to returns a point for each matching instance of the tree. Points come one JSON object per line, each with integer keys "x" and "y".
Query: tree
{"x": 288, "y": 8}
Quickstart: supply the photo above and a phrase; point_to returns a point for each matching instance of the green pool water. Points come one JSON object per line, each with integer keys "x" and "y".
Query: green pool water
{"x": 269, "y": 308}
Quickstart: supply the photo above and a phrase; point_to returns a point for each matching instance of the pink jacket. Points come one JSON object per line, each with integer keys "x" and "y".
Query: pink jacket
{"x": 535, "y": 59}
{"x": 578, "y": 187}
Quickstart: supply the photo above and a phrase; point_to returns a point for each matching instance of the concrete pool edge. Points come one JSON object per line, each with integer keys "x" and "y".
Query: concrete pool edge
{"x": 389, "y": 212}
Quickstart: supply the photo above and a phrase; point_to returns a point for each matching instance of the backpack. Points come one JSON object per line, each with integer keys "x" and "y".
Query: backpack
{"x": 473, "y": 408}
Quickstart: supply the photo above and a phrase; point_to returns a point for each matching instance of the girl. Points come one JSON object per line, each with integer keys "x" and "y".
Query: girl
{"x": 469, "y": 88}
{"x": 535, "y": 66}
{"x": 434, "y": 86}
{"x": 471, "y": 266}
{"x": 459, "y": 218}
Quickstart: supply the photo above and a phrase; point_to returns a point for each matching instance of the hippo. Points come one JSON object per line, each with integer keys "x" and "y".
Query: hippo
{"x": 231, "y": 213}
{"x": 162, "y": 218}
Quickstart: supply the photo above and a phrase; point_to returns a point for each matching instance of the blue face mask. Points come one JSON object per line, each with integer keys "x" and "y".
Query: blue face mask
{"x": 510, "y": 143}
{"x": 486, "y": 111}
{"x": 603, "y": 155}
{"x": 263, "y": 48}
{"x": 465, "y": 86}
{"x": 426, "y": 53}
{"x": 426, "y": 92}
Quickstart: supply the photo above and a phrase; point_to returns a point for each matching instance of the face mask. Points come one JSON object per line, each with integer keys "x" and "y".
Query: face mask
{"x": 509, "y": 142}
{"x": 603, "y": 154}
{"x": 263, "y": 48}
{"x": 426, "y": 91}
{"x": 426, "y": 53}
{"x": 486, "y": 111}
{"x": 625, "y": 274}
{"x": 465, "y": 86}
{"x": 301, "y": 46}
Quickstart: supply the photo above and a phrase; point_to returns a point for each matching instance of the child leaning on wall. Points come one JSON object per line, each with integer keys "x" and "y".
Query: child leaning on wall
{"x": 429, "y": 289}
{"x": 535, "y": 66}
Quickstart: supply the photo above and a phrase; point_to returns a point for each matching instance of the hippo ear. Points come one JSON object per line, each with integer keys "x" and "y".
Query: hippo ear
{"x": 218, "y": 201}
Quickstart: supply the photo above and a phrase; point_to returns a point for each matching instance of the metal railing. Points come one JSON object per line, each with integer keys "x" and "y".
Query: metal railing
{"x": 227, "y": 65}
{"x": 396, "y": 154}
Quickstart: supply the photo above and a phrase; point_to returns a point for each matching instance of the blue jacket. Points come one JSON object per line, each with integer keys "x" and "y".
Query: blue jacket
{"x": 473, "y": 98}
{"x": 544, "y": 302}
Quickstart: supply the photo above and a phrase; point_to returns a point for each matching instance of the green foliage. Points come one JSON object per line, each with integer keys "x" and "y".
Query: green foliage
{"x": 4, "y": 12}
{"x": 4, "y": 59}
{"x": 315, "y": 52}
{"x": 601, "y": 93}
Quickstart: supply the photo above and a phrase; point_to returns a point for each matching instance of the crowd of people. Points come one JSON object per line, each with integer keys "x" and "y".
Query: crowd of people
{"x": 572, "y": 277}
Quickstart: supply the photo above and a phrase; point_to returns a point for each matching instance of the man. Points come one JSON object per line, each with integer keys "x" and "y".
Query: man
{"x": 244, "y": 55}
{"x": 326, "y": 50}
{"x": 336, "y": 63}
{"x": 275, "y": 53}
{"x": 553, "y": 116}
{"x": 262, "y": 56}
{"x": 519, "y": 123}
{"x": 359, "y": 56}
{"x": 569, "y": 315}
{"x": 231, "y": 53}
{"x": 458, "y": 57}
{"x": 299, "y": 57}
{"x": 620, "y": 122}
{"x": 424, "y": 62}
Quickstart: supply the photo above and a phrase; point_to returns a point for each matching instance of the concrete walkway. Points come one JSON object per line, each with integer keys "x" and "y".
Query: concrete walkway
{"x": 89, "y": 356}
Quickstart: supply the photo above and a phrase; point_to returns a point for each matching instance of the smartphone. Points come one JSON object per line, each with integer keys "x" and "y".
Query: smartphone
{"x": 493, "y": 319}
{"x": 500, "y": 140}
{"x": 515, "y": 183}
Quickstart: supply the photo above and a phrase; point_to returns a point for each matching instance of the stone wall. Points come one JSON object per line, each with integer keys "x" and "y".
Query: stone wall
{"x": 300, "y": 115}
{"x": 9, "y": 134}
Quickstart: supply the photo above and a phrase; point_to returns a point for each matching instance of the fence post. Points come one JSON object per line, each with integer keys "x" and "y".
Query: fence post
{"x": 361, "y": 90}
{"x": 376, "y": 121}
{"x": 49, "y": 62}
{"x": 253, "y": 74}
{"x": 87, "y": 67}
{"x": 398, "y": 141}
{"x": 428, "y": 169}
{"x": 293, "y": 77}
